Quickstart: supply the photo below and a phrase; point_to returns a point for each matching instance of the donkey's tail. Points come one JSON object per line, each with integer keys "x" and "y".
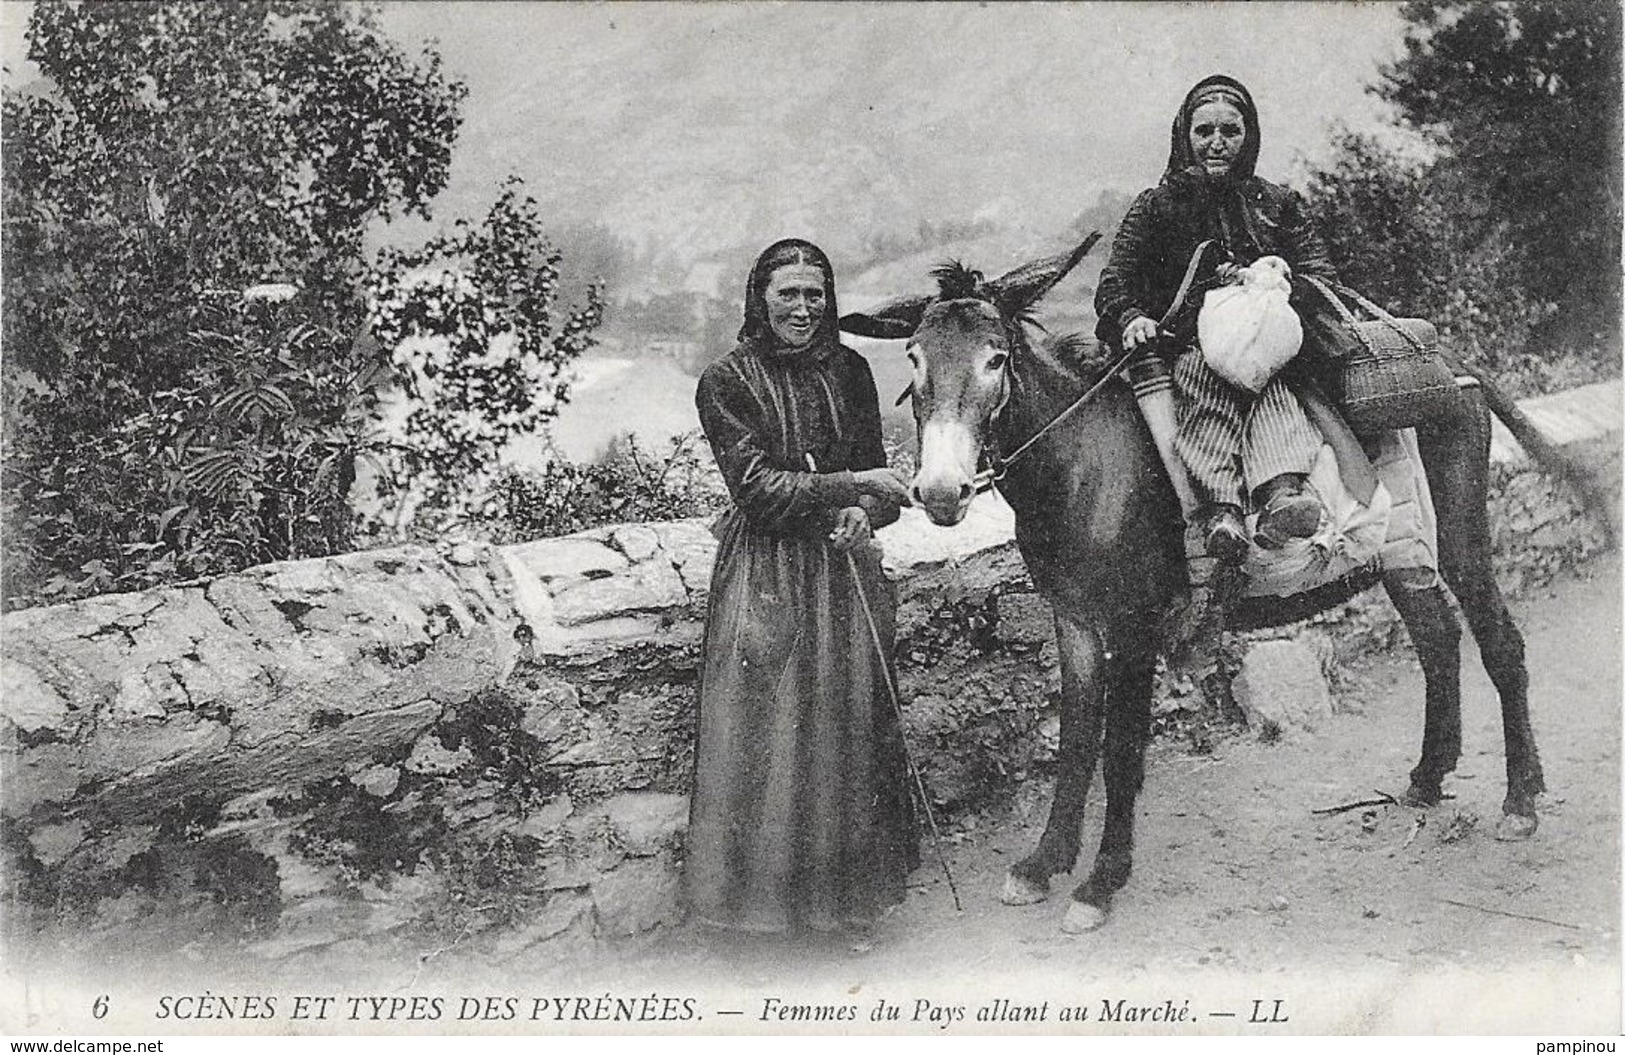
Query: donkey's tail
{"x": 1548, "y": 457}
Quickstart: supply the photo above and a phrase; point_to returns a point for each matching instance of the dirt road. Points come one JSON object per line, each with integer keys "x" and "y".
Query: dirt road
{"x": 1240, "y": 892}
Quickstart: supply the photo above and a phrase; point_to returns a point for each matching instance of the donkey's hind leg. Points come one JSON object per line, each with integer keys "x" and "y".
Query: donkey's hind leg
{"x": 1431, "y": 622}
{"x": 1457, "y": 459}
{"x": 1083, "y": 703}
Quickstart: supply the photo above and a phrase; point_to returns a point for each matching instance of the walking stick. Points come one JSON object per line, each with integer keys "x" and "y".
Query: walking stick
{"x": 897, "y": 709}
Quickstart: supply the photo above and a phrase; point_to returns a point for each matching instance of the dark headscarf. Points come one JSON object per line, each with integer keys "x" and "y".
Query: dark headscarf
{"x": 757, "y": 333}
{"x": 1224, "y": 196}
{"x": 1217, "y": 88}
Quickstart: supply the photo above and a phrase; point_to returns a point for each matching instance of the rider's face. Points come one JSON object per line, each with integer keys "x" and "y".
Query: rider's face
{"x": 1217, "y": 133}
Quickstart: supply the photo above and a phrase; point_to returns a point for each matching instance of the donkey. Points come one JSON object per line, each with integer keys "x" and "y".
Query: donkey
{"x": 1099, "y": 527}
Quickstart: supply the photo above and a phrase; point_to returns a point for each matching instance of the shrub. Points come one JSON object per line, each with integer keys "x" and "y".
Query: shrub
{"x": 627, "y": 482}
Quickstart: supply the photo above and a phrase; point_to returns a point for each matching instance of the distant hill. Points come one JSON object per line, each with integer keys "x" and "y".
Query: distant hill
{"x": 701, "y": 132}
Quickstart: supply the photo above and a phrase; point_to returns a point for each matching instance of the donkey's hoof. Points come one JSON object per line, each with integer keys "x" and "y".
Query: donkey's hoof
{"x": 1419, "y": 797}
{"x": 1515, "y": 827}
{"x": 1081, "y": 918}
{"x": 1017, "y": 891}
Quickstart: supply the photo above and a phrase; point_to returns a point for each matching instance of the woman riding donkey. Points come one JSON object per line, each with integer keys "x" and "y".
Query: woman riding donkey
{"x": 1209, "y": 217}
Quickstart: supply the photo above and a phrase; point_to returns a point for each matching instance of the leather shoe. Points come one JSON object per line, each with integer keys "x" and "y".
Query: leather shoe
{"x": 1225, "y": 536}
{"x": 1288, "y": 511}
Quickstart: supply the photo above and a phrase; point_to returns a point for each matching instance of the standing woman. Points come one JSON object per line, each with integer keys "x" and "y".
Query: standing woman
{"x": 801, "y": 817}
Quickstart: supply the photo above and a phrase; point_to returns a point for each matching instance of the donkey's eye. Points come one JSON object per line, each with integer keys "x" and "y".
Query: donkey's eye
{"x": 913, "y": 358}
{"x": 996, "y": 361}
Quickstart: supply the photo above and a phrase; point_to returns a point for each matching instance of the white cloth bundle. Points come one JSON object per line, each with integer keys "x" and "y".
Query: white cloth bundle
{"x": 1249, "y": 331}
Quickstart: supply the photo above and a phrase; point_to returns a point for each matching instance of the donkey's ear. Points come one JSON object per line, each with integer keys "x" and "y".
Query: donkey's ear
{"x": 876, "y": 326}
{"x": 1018, "y": 290}
{"x": 900, "y": 318}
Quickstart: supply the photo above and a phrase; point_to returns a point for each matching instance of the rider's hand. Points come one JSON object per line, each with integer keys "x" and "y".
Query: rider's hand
{"x": 883, "y": 484}
{"x": 1138, "y": 332}
{"x": 1227, "y": 274}
{"x": 851, "y": 529}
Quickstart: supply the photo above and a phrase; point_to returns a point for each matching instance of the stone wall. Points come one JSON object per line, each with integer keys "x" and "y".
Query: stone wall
{"x": 493, "y": 745}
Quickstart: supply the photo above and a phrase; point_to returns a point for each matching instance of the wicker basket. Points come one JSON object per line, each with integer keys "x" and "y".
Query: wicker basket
{"x": 1393, "y": 376}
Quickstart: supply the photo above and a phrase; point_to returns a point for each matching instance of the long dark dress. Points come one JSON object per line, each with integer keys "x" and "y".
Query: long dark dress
{"x": 801, "y": 817}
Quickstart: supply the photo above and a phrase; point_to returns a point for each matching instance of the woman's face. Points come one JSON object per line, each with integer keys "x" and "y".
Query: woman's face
{"x": 795, "y": 303}
{"x": 1217, "y": 133}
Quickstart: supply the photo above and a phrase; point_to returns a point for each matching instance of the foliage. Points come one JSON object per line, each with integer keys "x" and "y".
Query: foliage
{"x": 1524, "y": 99}
{"x": 249, "y": 461}
{"x": 1391, "y": 225}
{"x": 628, "y": 482}
{"x": 470, "y": 321}
{"x": 1507, "y": 233}
{"x": 189, "y": 381}
{"x": 176, "y": 156}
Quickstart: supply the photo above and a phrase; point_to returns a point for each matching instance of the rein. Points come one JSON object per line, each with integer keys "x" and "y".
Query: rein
{"x": 1000, "y": 464}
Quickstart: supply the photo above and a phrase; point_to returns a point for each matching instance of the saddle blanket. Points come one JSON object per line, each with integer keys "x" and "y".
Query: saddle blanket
{"x": 1396, "y": 528}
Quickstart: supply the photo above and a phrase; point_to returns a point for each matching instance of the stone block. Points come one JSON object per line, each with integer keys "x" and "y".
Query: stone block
{"x": 567, "y": 916}
{"x": 28, "y": 702}
{"x": 637, "y": 542}
{"x": 50, "y": 773}
{"x": 1284, "y": 682}
{"x": 913, "y": 544}
{"x": 552, "y": 708}
{"x": 650, "y": 586}
{"x": 639, "y": 895}
{"x": 556, "y": 560}
{"x": 378, "y": 781}
{"x": 141, "y": 749}
{"x": 546, "y": 820}
{"x": 432, "y": 758}
{"x": 690, "y": 546}
{"x": 53, "y": 843}
{"x": 645, "y": 822}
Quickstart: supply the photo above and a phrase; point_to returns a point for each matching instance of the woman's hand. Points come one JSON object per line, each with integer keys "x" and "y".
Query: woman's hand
{"x": 1138, "y": 332}
{"x": 851, "y": 529}
{"x": 883, "y": 484}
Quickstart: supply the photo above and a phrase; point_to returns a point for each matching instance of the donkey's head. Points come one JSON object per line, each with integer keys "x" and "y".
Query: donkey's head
{"x": 960, "y": 341}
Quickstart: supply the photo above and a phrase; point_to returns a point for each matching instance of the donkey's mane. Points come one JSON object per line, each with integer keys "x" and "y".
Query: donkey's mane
{"x": 955, "y": 281}
{"x": 1069, "y": 359}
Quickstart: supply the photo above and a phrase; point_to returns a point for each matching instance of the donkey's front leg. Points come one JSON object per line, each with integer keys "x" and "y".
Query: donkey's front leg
{"x": 1082, "y": 709}
{"x": 1128, "y": 728}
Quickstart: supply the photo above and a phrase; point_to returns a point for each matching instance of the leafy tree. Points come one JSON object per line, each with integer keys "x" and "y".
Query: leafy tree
{"x": 1524, "y": 100}
{"x": 1391, "y": 223}
{"x": 598, "y": 257}
{"x": 470, "y": 320}
{"x": 188, "y": 194}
